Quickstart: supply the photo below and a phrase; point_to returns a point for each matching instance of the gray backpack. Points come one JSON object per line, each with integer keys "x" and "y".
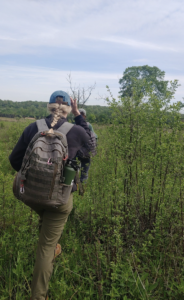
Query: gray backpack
{"x": 89, "y": 149}
{"x": 40, "y": 179}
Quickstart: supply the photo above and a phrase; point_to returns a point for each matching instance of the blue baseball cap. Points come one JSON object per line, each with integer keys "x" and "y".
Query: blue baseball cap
{"x": 65, "y": 96}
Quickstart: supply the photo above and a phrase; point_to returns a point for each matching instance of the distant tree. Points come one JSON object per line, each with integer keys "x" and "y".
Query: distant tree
{"x": 141, "y": 77}
{"x": 91, "y": 118}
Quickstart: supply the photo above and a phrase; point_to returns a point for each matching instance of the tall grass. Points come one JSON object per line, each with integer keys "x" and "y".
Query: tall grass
{"x": 125, "y": 237}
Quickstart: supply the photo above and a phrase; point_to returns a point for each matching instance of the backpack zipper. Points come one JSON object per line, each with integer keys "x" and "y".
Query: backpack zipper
{"x": 53, "y": 180}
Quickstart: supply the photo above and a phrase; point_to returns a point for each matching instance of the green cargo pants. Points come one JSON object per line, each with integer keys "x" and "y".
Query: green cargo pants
{"x": 52, "y": 224}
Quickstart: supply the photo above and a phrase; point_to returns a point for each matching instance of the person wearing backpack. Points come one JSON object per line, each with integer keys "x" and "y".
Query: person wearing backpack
{"x": 83, "y": 154}
{"x": 43, "y": 158}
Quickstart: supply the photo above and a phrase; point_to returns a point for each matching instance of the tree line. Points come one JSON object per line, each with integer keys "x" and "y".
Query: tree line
{"x": 38, "y": 109}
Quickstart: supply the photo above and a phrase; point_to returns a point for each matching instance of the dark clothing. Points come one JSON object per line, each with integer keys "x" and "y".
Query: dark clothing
{"x": 85, "y": 164}
{"x": 84, "y": 154}
{"x": 76, "y": 138}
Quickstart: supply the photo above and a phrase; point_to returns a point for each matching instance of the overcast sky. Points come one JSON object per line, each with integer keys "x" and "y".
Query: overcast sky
{"x": 42, "y": 41}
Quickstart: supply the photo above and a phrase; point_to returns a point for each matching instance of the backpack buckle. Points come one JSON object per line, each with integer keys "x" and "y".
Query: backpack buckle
{"x": 49, "y": 162}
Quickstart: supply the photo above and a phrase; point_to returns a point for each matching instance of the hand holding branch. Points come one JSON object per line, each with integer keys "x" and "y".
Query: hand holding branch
{"x": 75, "y": 110}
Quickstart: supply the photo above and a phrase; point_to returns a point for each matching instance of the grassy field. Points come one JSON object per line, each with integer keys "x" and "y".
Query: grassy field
{"x": 8, "y": 119}
{"x": 3, "y": 119}
{"x": 125, "y": 237}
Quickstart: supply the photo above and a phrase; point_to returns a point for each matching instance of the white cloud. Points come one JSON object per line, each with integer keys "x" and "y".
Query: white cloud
{"x": 141, "y": 60}
{"x": 139, "y": 44}
{"x": 6, "y": 38}
{"x": 156, "y": 26}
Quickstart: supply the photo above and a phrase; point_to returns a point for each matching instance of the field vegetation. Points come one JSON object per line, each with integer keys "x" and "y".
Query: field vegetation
{"x": 125, "y": 237}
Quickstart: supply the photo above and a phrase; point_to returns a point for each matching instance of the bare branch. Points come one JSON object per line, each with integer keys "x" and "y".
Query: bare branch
{"x": 80, "y": 93}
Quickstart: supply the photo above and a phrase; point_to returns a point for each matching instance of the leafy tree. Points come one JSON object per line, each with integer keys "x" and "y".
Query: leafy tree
{"x": 92, "y": 118}
{"x": 142, "y": 76}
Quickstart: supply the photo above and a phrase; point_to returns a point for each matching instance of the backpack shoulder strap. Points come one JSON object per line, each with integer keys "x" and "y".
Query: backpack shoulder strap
{"x": 65, "y": 127}
{"x": 42, "y": 125}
